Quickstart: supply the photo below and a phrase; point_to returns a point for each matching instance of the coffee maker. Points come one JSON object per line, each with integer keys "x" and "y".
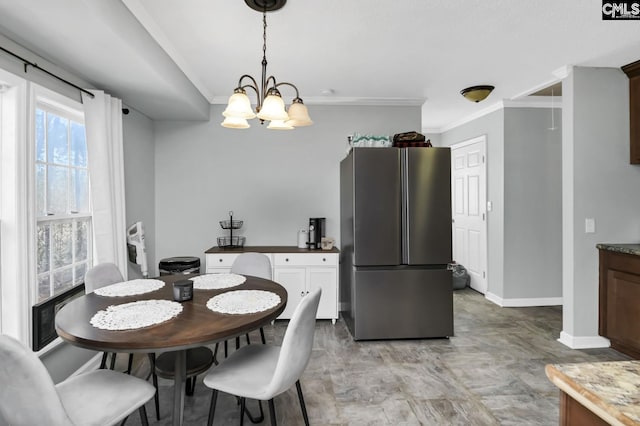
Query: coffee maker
{"x": 317, "y": 229}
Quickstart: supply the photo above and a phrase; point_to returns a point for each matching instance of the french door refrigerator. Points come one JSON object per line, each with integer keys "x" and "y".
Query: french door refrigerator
{"x": 395, "y": 233}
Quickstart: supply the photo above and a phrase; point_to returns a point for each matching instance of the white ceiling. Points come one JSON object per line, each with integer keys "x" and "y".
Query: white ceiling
{"x": 170, "y": 58}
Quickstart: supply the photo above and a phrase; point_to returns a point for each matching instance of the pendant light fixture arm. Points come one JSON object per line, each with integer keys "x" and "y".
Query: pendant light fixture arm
{"x": 285, "y": 83}
{"x": 254, "y": 86}
{"x": 241, "y": 88}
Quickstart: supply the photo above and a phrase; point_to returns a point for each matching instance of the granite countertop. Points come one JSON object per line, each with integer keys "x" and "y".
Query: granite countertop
{"x": 621, "y": 248}
{"x": 611, "y": 390}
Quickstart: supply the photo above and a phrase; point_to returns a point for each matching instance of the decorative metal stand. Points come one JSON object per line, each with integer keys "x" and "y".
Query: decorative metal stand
{"x": 231, "y": 241}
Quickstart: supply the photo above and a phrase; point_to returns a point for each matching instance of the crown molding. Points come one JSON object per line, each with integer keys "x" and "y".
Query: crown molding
{"x": 488, "y": 110}
{"x": 334, "y": 100}
{"x": 536, "y": 88}
{"x": 632, "y": 70}
{"x": 535, "y": 102}
{"x": 563, "y": 72}
{"x": 530, "y": 102}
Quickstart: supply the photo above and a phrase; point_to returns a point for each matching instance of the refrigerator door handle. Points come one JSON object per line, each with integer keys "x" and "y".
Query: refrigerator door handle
{"x": 404, "y": 167}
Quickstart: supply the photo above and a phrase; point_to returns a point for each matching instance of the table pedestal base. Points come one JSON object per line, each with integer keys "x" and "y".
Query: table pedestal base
{"x": 179, "y": 387}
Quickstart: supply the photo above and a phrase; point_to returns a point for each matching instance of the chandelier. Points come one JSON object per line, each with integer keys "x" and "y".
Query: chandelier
{"x": 270, "y": 106}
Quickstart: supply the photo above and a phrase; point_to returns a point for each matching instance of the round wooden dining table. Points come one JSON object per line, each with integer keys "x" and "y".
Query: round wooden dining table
{"x": 195, "y": 326}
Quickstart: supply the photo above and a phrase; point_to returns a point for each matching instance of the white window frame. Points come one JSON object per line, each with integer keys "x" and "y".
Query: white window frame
{"x": 16, "y": 217}
{"x": 18, "y": 102}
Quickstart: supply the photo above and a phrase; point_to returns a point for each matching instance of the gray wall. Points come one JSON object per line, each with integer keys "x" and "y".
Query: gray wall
{"x": 533, "y": 204}
{"x": 272, "y": 180}
{"x": 598, "y": 182}
{"x": 491, "y": 125}
{"x": 139, "y": 177}
{"x": 524, "y": 175}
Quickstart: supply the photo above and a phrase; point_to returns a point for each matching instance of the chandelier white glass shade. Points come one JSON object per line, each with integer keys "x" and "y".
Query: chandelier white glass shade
{"x": 270, "y": 106}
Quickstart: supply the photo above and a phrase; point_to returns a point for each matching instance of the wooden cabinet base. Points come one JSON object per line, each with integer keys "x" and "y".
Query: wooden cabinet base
{"x": 572, "y": 413}
{"x": 619, "y": 301}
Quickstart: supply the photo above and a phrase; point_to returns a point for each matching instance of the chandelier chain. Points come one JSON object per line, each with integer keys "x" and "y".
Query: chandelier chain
{"x": 264, "y": 35}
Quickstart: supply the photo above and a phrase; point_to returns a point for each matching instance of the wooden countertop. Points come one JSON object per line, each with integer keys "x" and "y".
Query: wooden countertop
{"x": 633, "y": 249}
{"x": 610, "y": 390}
{"x": 269, "y": 249}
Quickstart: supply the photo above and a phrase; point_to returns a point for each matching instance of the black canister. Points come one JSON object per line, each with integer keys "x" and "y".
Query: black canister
{"x": 182, "y": 290}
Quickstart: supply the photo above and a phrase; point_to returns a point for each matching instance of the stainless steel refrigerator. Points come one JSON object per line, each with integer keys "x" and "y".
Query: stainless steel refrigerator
{"x": 395, "y": 234}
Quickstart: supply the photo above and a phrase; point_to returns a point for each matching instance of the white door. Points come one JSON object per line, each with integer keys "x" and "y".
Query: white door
{"x": 469, "y": 201}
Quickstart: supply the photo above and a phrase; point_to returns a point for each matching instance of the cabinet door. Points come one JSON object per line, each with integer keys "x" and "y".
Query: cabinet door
{"x": 293, "y": 280}
{"x": 326, "y": 279}
{"x": 219, "y": 262}
{"x": 623, "y": 310}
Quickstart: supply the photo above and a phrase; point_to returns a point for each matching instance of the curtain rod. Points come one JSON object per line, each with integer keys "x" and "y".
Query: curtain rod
{"x": 36, "y": 66}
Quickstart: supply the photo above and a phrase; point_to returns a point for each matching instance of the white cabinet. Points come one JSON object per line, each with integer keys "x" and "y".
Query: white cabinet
{"x": 293, "y": 280}
{"x": 219, "y": 262}
{"x": 299, "y": 271}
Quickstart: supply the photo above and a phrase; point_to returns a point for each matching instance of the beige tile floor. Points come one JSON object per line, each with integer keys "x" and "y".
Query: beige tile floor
{"x": 490, "y": 373}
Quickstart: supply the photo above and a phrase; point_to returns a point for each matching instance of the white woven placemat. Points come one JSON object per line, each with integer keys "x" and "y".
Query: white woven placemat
{"x": 134, "y": 315}
{"x": 217, "y": 281}
{"x": 243, "y": 301}
{"x": 130, "y": 288}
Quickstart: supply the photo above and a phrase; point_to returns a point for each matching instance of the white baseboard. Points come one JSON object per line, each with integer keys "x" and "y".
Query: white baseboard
{"x": 523, "y": 302}
{"x": 493, "y": 298}
{"x": 583, "y": 342}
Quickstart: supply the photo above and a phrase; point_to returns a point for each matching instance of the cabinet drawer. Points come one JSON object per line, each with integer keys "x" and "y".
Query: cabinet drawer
{"x": 220, "y": 260}
{"x": 305, "y": 259}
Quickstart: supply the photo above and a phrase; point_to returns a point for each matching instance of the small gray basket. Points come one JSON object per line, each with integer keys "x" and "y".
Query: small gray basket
{"x": 461, "y": 277}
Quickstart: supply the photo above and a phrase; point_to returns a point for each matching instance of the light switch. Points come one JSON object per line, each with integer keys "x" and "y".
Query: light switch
{"x": 489, "y": 206}
{"x": 589, "y": 225}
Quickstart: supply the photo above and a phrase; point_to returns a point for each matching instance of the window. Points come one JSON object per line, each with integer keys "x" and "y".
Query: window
{"x": 45, "y": 211}
{"x": 63, "y": 213}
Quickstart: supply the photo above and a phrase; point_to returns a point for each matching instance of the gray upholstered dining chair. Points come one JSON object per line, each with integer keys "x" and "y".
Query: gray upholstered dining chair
{"x": 254, "y": 264}
{"x": 102, "y": 275}
{"x": 264, "y": 371}
{"x": 28, "y": 395}
{"x": 257, "y": 265}
{"x": 97, "y": 277}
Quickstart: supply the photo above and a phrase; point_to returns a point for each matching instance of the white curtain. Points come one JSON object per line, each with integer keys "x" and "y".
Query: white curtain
{"x": 103, "y": 124}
